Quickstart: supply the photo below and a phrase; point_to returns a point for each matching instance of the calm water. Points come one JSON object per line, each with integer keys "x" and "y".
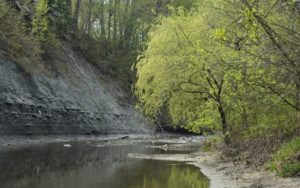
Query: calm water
{"x": 84, "y": 165}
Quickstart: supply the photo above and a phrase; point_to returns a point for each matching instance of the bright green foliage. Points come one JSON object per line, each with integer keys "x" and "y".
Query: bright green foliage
{"x": 177, "y": 70}
{"x": 286, "y": 161}
{"x": 236, "y": 57}
{"x": 230, "y": 66}
{"x": 40, "y": 25}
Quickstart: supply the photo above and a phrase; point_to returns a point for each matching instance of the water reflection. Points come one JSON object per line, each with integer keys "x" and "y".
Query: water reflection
{"x": 87, "y": 166}
{"x": 171, "y": 175}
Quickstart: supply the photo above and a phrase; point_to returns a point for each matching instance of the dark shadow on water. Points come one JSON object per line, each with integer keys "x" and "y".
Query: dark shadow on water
{"x": 87, "y": 166}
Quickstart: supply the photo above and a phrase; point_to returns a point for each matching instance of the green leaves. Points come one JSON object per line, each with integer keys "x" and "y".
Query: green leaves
{"x": 171, "y": 72}
{"x": 40, "y": 25}
{"x": 285, "y": 161}
{"x": 220, "y": 34}
{"x": 224, "y": 55}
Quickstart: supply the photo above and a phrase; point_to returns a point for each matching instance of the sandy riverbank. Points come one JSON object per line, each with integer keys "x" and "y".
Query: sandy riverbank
{"x": 225, "y": 174}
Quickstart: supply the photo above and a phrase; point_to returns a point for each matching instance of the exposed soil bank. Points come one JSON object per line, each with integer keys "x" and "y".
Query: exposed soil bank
{"x": 225, "y": 174}
{"x": 71, "y": 96}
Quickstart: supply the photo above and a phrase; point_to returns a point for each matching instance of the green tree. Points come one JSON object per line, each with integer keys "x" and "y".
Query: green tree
{"x": 40, "y": 25}
{"x": 177, "y": 65}
{"x": 224, "y": 62}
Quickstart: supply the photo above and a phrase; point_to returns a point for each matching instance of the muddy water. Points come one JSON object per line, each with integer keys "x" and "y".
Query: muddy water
{"x": 94, "y": 165}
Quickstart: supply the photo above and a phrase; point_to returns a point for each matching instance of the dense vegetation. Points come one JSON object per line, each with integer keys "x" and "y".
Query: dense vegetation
{"x": 109, "y": 33}
{"x": 207, "y": 65}
{"x": 284, "y": 161}
{"x": 227, "y": 65}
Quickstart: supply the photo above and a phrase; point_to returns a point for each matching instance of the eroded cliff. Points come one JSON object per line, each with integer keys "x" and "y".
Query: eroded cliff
{"x": 71, "y": 97}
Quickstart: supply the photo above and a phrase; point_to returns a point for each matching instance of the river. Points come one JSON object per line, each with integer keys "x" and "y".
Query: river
{"x": 99, "y": 164}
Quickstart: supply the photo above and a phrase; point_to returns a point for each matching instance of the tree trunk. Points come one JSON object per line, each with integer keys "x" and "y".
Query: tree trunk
{"x": 297, "y": 95}
{"x": 69, "y": 6}
{"x": 245, "y": 117}
{"x": 76, "y": 17}
{"x": 115, "y": 23}
{"x": 297, "y": 102}
{"x": 89, "y": 17}
{"x": 102, "y": 21}
{"x": 110, "y": 14}
{"x": 224, "y": 123}
{"x": 69, "y": 15}
{"x": 125, "y": 24}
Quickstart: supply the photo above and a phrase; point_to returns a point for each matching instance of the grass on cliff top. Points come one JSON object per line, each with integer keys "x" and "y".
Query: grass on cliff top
{"x": 286, "y": 161}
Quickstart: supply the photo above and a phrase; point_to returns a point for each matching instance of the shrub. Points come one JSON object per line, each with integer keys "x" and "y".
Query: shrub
{"x": 16, "y": 41}
{"x": 286, "y": 161}
{"x": 212, "y": 143}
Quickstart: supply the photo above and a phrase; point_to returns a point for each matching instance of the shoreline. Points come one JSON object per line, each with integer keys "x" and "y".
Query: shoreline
{"x": 24, "y": 141}
{"x": 224, "y": 173}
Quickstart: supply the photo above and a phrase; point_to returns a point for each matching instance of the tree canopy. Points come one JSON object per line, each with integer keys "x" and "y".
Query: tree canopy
{"x": 228, "y": 63}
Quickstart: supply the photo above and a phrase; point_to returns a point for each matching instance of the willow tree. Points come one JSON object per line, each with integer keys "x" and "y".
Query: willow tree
{"x": 230, "y": 61}
{"x": 182, "y": 70}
